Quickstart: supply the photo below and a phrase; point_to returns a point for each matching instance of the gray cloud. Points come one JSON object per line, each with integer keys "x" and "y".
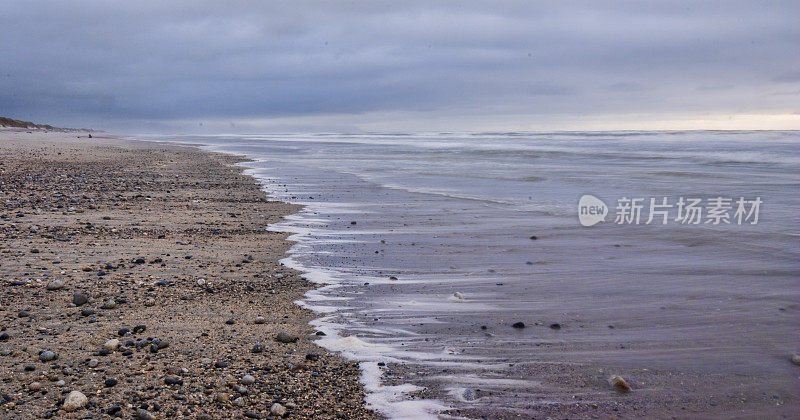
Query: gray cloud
{"x": 114, "y": 64}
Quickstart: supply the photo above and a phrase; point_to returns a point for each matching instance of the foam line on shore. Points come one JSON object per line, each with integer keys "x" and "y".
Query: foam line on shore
{"x": 389, "y": 400}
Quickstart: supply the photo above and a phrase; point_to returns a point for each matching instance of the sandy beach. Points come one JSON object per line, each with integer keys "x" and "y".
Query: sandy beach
{"x": 139, "y": 280}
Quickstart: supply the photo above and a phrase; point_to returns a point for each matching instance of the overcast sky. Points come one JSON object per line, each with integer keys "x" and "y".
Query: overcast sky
{"x": 249, "y": 66}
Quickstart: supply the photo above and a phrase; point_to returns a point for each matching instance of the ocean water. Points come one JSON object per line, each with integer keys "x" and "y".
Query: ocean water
{"x": 428, "y": 247}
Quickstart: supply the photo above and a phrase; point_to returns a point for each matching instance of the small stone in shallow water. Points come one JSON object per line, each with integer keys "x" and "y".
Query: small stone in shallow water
{"x": 74, "y": 401}
{"x": 518, "y": 325}
{"x": 796, "y": 358}
{"x": 620, "y": 384}
{"x": 458, "y": 295}
{"x": 555, "y": 326}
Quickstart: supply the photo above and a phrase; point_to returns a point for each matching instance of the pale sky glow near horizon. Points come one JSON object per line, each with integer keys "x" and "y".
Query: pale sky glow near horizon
{"x": 308, "y": 66}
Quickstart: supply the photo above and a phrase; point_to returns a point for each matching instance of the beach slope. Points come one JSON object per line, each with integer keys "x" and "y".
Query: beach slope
{"x": 142, "y": 276}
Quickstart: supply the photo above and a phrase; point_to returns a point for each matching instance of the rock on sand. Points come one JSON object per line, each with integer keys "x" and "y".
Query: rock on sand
{"x": 74, "y": 401}
{"x": 620, "y": 384}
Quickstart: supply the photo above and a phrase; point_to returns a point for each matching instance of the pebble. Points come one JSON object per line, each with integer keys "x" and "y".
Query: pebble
{"x": 555, "y": 326}
{"x": 23, "y": 314}
{"x": 458, "y": 295}
{"x": 796, "y": 358}
{"x": 111, "y": 345}
{"x": 173, "y": 381}
{"x": 109, "y": 304}
{"x": 518, "y": 325}
{"x": 257, "y": 348}
{"x": 123, "y": 331}
{"x": 220, "y": 364}
{"x": 79, "y": 299}
{"x": 55, "y": 285}
{"x": 239, "y": 402}
{"x": 259, "y": 320}
{"x": 60, "y": 383}
{"x": 93, "y": 363}
{"x": 142, "y": 414}
{"x": 35, "y": 386}
{"x": 277, "y": 410}
{"x": 139, "y": 328}
{"x": 284, "y": 337}
{"x": 75, "y": 401}
{"x": 230, "y": 321}
{"x": 47, "y": 356}
{"x": 248, "y": 380}
{"x": 252, "y": 415}
{"x": 176, "y": 370}
{"x": 110, "y": 382}
{"x": 620, "y": 384}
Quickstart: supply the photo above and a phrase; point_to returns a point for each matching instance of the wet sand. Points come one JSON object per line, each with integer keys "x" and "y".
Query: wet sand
{"x": 142, "y": 276}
